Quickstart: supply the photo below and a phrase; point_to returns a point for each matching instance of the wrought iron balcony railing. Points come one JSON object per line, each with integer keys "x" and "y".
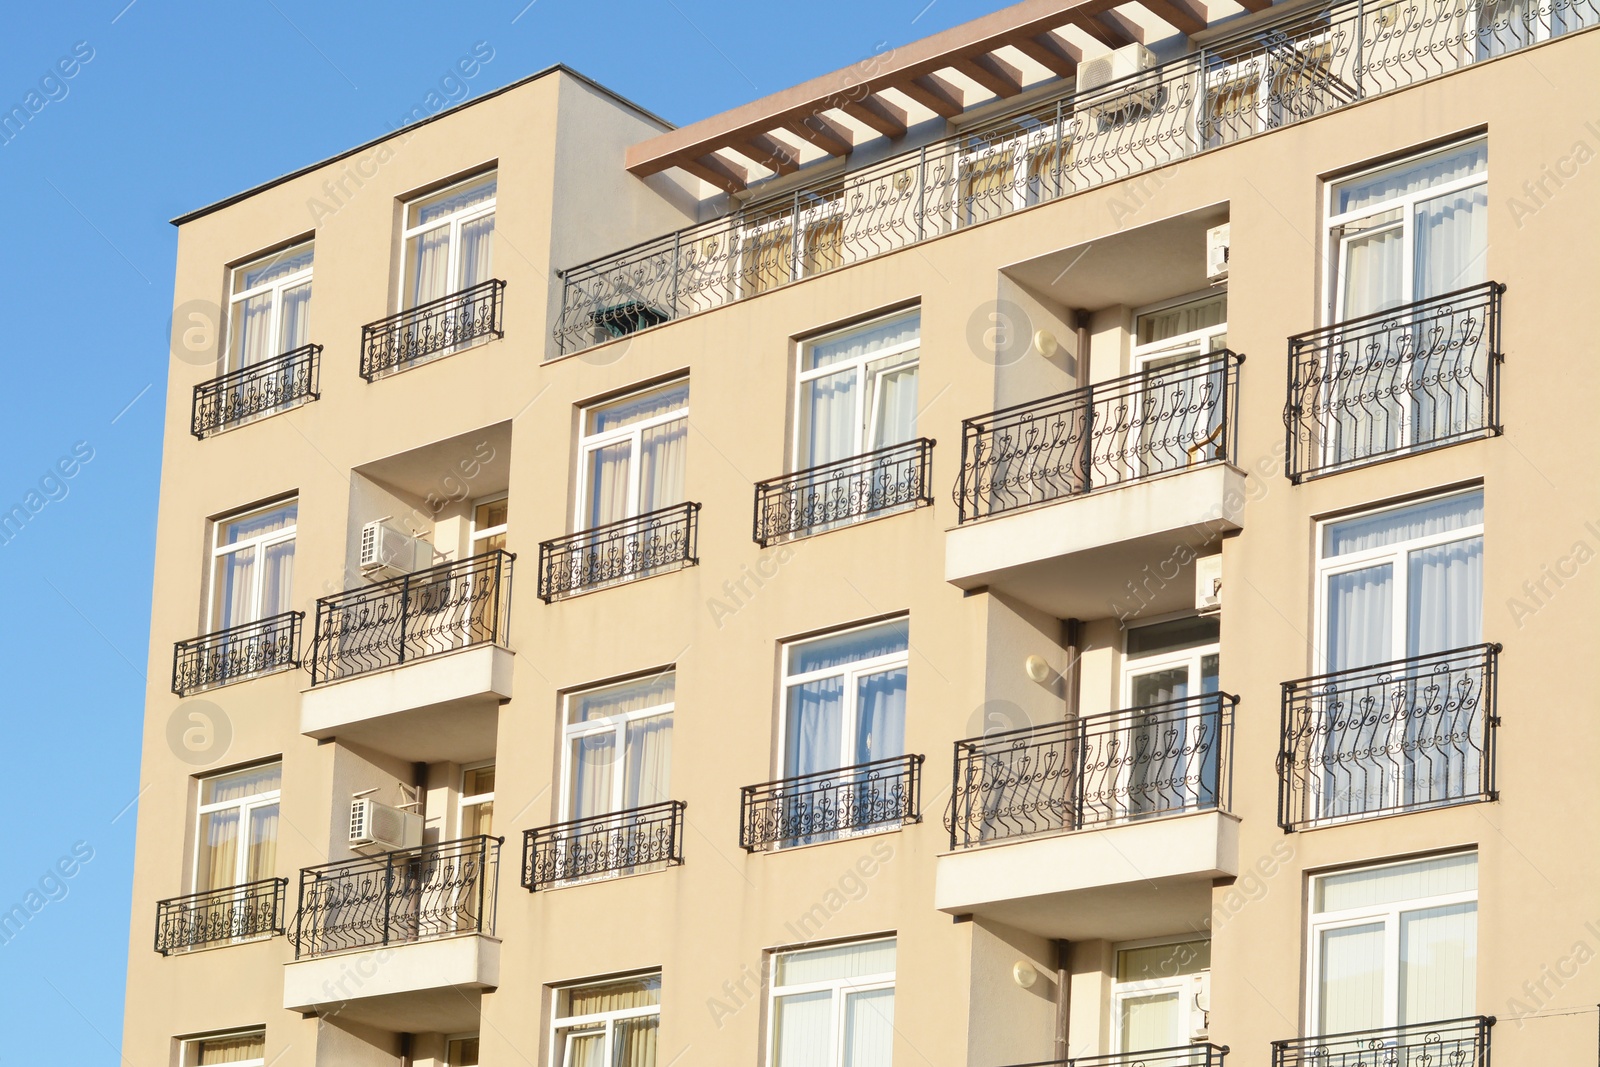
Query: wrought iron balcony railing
{"x": 221, "y": 916}
{"x": 1410, "y": 379}
{"x": 603, "y": 846}
{"x": 1142, "y": 763}
{"x": 1203, "y": 1055}
{"x": 1157, "y": 421}
{"x": 1400, "y": 736}
{"x": 441, "y": 890}
{"x": 426, "y": 613}
{"x": 1308, "y": 63}
{"x": 239, "y": 652}
{"x": 1456, "y": 1043}
{"x": 264, "y": 388}
{"x": 646, "y": 545}
{"x": 827, "y": 805}
{"x": 436, "y": 328}
{"x": 837, "y": 494}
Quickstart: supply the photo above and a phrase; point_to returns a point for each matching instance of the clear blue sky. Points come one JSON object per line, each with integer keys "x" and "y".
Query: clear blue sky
{"x": 184, "y": 102}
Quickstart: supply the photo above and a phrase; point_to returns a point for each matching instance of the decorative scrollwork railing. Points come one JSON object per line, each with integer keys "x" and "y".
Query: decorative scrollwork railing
{"x": 433, "y": 329}
{"x": 624, "y": 842}
{"x": 1138, "y": 426}
{"x": 221, "y": 916}
{"x": 645, "y": 545}
{"x": 826, "y": 805}
{"x": 436, "y": 891}
{"x": 848, "y": 490}
{"x": 1161, "y": 759}
{"x": 1400, "y": 736}
{"x": 424, "y": 613}
{"x": 1453, "y": 1043}
{"x": 1199, "y": 1055}
{"x": 1308, "y": 63}
{"x": 1416, "y": 377}
{"x": 215, "y": 659}
{"x": 264, "y": 388}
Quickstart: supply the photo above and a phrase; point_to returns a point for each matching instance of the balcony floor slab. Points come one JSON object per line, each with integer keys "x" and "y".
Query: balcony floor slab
{"x": 431, "y": 986}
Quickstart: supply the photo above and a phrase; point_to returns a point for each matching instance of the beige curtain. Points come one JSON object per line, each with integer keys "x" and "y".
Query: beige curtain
{"x": 235, "y": 1049}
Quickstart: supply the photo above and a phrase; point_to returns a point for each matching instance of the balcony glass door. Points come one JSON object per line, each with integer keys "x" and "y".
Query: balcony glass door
{"x": 269, "y": 308}
{"x": 1166, "y": 337}
{"x": 1167, "y": 751}
{"x": 1154, "y": 999}
{"x": 632, "y": 455}
{"x": 252, "y": 566}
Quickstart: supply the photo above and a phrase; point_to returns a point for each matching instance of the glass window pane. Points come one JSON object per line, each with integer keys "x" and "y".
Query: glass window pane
{"x": 1378, "y": 886}
{"x": 1427, "y": 519}
{"x": 635, "y": 695}
{"x": 1452, "y": 242}
{"x": 633, "y": 1042}
{"x": 649, "y": 761}
{"x": 237, "y": 785}
{"x": 639, "y": 408}
{"x": 478, "y": 780}
{"x": 1201, "y": 314}
{"x": 233, "y": 589}
{"x": 294, "y": 327}
{"x": 612, "y": 996}
{"x": 1372, "y": 272}
{"x": 591, "y": 769}
{"x": 830, "y": 427}
{"x": 259, "y": 523}
{"x": 217, "y": 865}
{"x": 1411, "y": 176}
{"x": 462, "y": 1052}
{"x": 456, "y": 199}
{"x": 277, "y": 578}
{"x": 233, "y": 1049}
{"x": 838, "y": 649}
{"x": 1438, "y": 963}
{"x": 1151, "y": 1021}
{"x": 813, "y": 728}
{"x": 261, "y": 862}
{"x": 587, "y": 1049}
{"x": 868, "y": 1028}
{"x": 427, "y": 267}
{"x": 892, "y": 419}
{"x": 607, "y": 489}
{"x": 1360, "y": 618}
{"x": 276, "y": 266}
{"x": 1152, "y": 962}
{"x": 1158, "y": 687}
{"x": 662, "y": 454}
{"x": 862, "y": 342}
{"x": 1350, "y": 982}
{"x": 1446, "y": 594}
{"x": 880, "y": 716}
{"x": 802, "y": 1026}
{"x": 475, "y": 258}
{"x": 252, "y": 331}
{"x": 836, "y": 962}
{"x": 487, "y": 516}
{"x": 1171, "y": 636}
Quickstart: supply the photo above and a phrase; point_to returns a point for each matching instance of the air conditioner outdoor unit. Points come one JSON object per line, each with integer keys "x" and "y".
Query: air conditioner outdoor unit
{"x": 388, "y": 551}
{"x": 1128, "y": 98}
{"x": 1217, "y": 253}
{"x": 378, "y": 826}
{"x": 1200, "y": 1017}
{"x": 1208, "y": 583}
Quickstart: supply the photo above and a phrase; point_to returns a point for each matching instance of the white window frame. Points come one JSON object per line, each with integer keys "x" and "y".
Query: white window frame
{"x": 559, "y": 1043}
{"x": 590, "y": 444}
{"x": 245, "y": 806}
{"x": 260, "y": 544}
{"x": 1396, "y": 555}
{"x": 1193, "y": 343}
{"x": 1182, "y": 984}
{"x": 454, "y": 221}
{"x": 1406, "y": 205}
{"x": 865, "y": 430}
{"x": 189, "y": 1047}
{"x": 276, "y": 288}
{"x": 1190, "y": 657}
{"x": 840, "y": 988}
{"x": 616, "y": 725}
{"x": 468, "y": 800}
{"x": 476, "y": 534}
{"x": 1318, "y": 923}
{"x": 850, "y": 673}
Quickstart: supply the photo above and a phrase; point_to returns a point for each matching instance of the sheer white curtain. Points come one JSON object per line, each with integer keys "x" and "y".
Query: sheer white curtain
{"x": 294, "y": 329}
{"x": 475, "y": 261}
{"x": 1451, "y": 364}
{"x": 1350, "y": 976}
{"x": 1445, "y": 608}
{"x": 663, "y": 455}
{"x": 252, "y": 330}
{"x": 429, "y": 266}
{"x": 1410, "y": 177}
{"x": 881, "y": 715}
{"x": 814, "y": 727}
{"x": 608, "y": 479}
{"x": 831, "y": 424}
{"x": 895, "y": 421}
{"x": 644, "y": 762}
{"x": 1438, "y": 962}
{"x": 649, "y": 759}
{"x": 1360, "y": 618}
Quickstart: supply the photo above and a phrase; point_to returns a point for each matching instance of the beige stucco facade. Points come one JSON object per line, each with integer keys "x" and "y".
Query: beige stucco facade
{"x": 977, "y": 611}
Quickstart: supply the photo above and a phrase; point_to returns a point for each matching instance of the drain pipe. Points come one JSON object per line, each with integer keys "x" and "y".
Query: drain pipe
{"x": 1063, "y": 997}
{"x": 1081, "y": 322}
{"x": 405, "y": 1050}
{"x": 1072, "y": 643}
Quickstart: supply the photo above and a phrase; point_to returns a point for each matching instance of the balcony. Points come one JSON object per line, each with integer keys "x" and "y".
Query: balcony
{"x": 433, "y": 329}
{"x": 403, "y": 941}
{"x": 415, "y": 666}
{"x": 1204, "y": 1055}
{"x": 1286, "y": 70}
{"x": 636, "y": 841}
{"x": 1402, "y": 381}
{"x": 847, "y": 491}
{"x": 653, "y": 543}
{"x": 239, "y": 652}
{"x": 1090, "y": 826}
{"x": 217, "y": 917}
{"x": 1459, "y": 1043}
{"x": 1128, "y": 473}
{"x": 1408, "y": 735}
{"x": 254, "y": 392}
{"x": 829, "y": 805}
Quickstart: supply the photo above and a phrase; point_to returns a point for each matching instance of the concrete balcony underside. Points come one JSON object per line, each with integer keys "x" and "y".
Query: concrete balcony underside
{"x": 423, "y": 986}
{"x": 1117, "y": 883}
{"x": 1117, "y": 551}
{"x": 440, "y": 708}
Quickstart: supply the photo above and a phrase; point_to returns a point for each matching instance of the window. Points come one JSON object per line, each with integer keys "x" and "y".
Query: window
{"x": 1507, "y": 25}
{"x": 1156, "y": 995}
{"x": 269, "y": 307}
{"x": 243, "y": 1049}
{"x": 488, "y": 526}
{"x": 608, "y": 1024}
{"x": 477, "y": 801}
{"x": 844, "y": 698}
{"x": 449, "y": 241}
{"x": 1167, "y": 666}
{"x": 1409, "y": 231}
{"x": 1401, "y": 583}
{"x": 1393, "y": 945}
{"x": 461, "y": 1051}
{"x": 617, "y": 747}
{"x": 632, "y": 454}
{"x": 252, "y": 565}
{"x": 1173, "y": 331}
{"x": 857, "y": 390}
{"x": 834, "y": 1006}
{"x": 1171, "y": 660}
{"x": 236, "y": 841}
